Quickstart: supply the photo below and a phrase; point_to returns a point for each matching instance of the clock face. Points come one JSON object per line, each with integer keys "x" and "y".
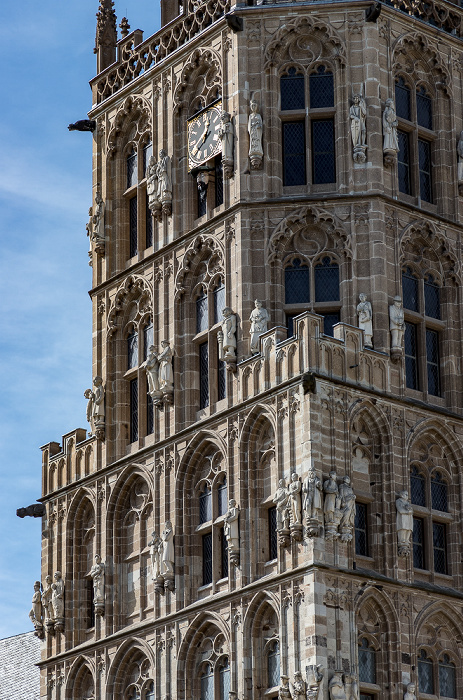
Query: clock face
{"x": 203, "y": 136}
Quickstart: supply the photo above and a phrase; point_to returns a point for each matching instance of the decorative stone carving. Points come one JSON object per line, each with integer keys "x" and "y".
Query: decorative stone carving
{"x": 35, "y": 612}
{"x": 259, "y": 319}
{"x": 298, "y": 691}
{"x": 365, "y": 316}
{"x": 397, "y": 328}
{"x": 226, "y": 136}
{"x": 255, "y": 124}
{"x": 336, "y": 687}
{"x": 284, "y": 691}
{"x": 351, "y": 686}
{"x": 227, "y": 337}
{"x": 312, "y": 490}
{"x": 232, "y": 531}
{"x": 97, "y": 573}
{"x": 164, "y": 176}
{"x": 390, "y": 140}
{"x": 57, "y": 601}
{"x": 96, "y": 408}
{"x": 347, "y": 506}
{"x": 202, "y": 180}
{"x": 460, "y": 163}
{"x": 404, "y": 521}
{"x": 167, "y": 570}
{"x": 314, "y": 683}
{"x": 295, "y": 507}
{"x": 151, "y": 367}
{"x": 47, "y": 607}
{"x": 36, "y": 510}
{"x": 154, "y": 203}
{"x": 156, "y": 549}
{"x": 332, "y": 506}
{"x": 410, "y": 692}
{"x": 281, "y": 499}
{"x": 166, "y": 374}
{"x": 357, "y": 114}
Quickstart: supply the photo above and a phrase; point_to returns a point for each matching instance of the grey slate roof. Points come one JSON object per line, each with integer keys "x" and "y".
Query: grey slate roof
{"x": 19, "y": 678}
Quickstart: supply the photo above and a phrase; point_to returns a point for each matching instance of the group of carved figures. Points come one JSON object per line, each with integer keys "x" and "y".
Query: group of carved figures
{"x": 159, "y": 185}
{"x": 159, "y": 373}
{"x": 396, "y": 323}
{"x": 47, "y": 612}
{"x": 162, "y": 558}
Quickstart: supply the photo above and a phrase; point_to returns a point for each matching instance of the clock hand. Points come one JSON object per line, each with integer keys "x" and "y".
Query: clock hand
{"x": 201, "y": 139}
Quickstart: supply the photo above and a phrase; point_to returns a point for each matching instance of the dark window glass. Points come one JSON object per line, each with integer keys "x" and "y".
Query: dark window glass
{"x": 223, "y": 555}
{"x": 149, "y": 225}
{"x": 207, "y": 558}
{"x": 132, "y": 350}
{"x": 205, "y": 504}
{"x": 402, "y": 99}
{"x": 431, "y": 298}
{"x": 294, "y": 154}
{"x": 290, "y": 324}
{"x": 218, "y": 181}
{"x": 149, "y": 415}
{"x": 272, "y": 533}
{"x": 327, "y": 280}
{"x": 134, "y": 410}
{"x": 224, "y": 681}
{"x": 410, "y": 290}
{"x": 202, "y": 314}
{"x": 134, "y": 694}
{"x": 439, "y": 491}
{"x": 403, "y": 163}
{"x": 207, "y": 681}
{"x": 417, "y": 488}
{"x": 273, "y": 665}
{"x": 439, "y": 548}
{"x": 132, "y": 169}
{"x": 219, "y": 302}
{"x": 292, "y": 90}
{"x": 203, "y": 375}
{"x": 221, "y": 379}
{"x": 411, "y": 363}
{"x": 222, "y": 498}
{"x": 367, "y": 665}
{"x": 147, "y": 153}
{"x": 323, "y": 153}
{"x": 418, "y": 543}
{"x": 133, "y": 234}
{"x": 321, "y": 87}
{"x": 90, "y": 605}
{"x": 425, "y": 674}
{"x": 366, "y": 696}
{"x": 424, "y": 158}
{"x": 423, "y": 108}
{"x": 329, "y": 321}
{"x": 150, "y": 695}
{"x": 447, "y": 678}
{"x": 361, "y": 534}
{"x": 432, "y": 362}
{"x": 202, "y": 198}
{"x": 297, "y": 289}
{"x": 148, "y": 339}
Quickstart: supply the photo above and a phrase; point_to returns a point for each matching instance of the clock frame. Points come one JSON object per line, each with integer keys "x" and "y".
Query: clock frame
{"x": 204, "y": 142}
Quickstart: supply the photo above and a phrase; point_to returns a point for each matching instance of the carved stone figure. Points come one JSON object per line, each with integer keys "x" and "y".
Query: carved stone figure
{"x": 259, "y": 319}
{"x": 357, "y": 114}
{"x": 351, "y": 687}
{"x": 390, "y": 140}
{"x": 36, "y": 510}
{"x": 365, "y": 316}
{"x": 35, "y": 612}
{"x": 232, "y": 531}
{"x": 156, "y": 549}
{"x": 410, "y": 692}
{"x": 47, "y": 607}
{"x": 332, "y": 506}
{"x": 298, "y": 687}
{"x": 314, "y": 683}
{"x": 295, "y": 507}
{"x": 347, "y": 507}
{"x": 280, "y": 499}
{"x": 166, "y": 375}
{"x": 336, "y": 687}
{"x": 397, "y": 327}
{"x": 167, "y": 571}
{"x": 404, "y": 521}
{"x": 151, "y": 366}
{"x": 98, "y": 235}
{"x": 284, "y": 691}
{"x": 202, "y": 180}
{"x": 97, "y": 573}
{"x": 98, "y": 407}
{"x": 164, "y": 176}
{"x": 312, "y": 490}
{"x": 255, "y": 124}
{"x": 152, "y": 187}
{"x": 227, "y": 339}
{"x": 57, "y": 601}
{"x": 226, "y": 136}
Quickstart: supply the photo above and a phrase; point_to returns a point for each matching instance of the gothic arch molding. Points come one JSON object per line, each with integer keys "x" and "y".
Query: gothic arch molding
{"x": 134, "y": 288}
{"x": 419, "y": 235}
{"x": 81, "y": 667}
{"x": 325, "y": 42}
{"x": 134, "y": 110}
{"x": 450, "y": 617}
{"x": 196, "y": 630}
{"x": 414, "y": 53}
{"x": 130, "y": 652}
{"x": 204, "y": 249}
{"x": 436, "y": 432}
{"x": 205, "y": 63}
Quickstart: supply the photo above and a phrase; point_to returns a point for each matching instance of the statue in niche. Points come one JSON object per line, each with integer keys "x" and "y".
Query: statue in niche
{"x": 98, "y": 235}
{"x": 232, "y": 531}
{"x": 255, "y": 124}
{"x": 168, "y": 556}
{"x": 397, "y": 327}
{"x": 312, "y": 490}
{"x": 35, "y": 613}
{"x": 97, "y": 574}
{"x": 284, "y": 692}
{"x": 98, "y": 407}
{"x": 404, "y": 522}
{"x": 280, "y": 499}
{"x": 332, "y": 506}
{"x": 390, "y": 139}
{"x": 57, "y": 601}
{"x": 347, "y": 507}
{"x": 357, "y": 114}
{"x": 295, "y": 507}
{"x": 156, "y": 550}
{"x": 410, "y": 692}
{"x": 166, "y": 375}
{"x": 154, "y": 202}
{"x": 47, "y": 607}
{"x": 259, "y": 319}
{"x": 298, "y": 691}
{"x": 365, "y": 316}
{"x": 227, "y": 337}
{"x": 226, "y": 136}
{"x": 164, "y": 176}
{"x": 202, "y": 180}
{"x": 314, "y": 683}
{"x": 151, "y": 367}
{"x": 336, "y": 687}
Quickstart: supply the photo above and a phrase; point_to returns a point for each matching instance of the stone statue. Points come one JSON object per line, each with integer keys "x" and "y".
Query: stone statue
{"x": 167, "y": 571}
{"x": 410, "y": 692}
{"x": 312, "y": 490}
{"x": 98, "y": 407}
{"x": 332, "y": 506}
{"x": 314, "y": 683}
{"x": 57, "y": 601}
{"x": 97, "y": 573}
{"x": 336, "y": 687}
{"x": 281, "y": 501}
{"x": 256, "y": 152}
{"x": 227, "y": 339}
{"x": 232, "y": 531}
{"x": 47, "y": 607}
{"x": 347, "y": 506}
{"x": 166, "y": 375}
{"x": 151, "y": 366}
{"x": 98, "y": 235}
{"x": 390, "y": 140}
{"x": 294, "y": 503}
{"x": 404, "y": 521}
{"x": 164, "y": 176}
{"x": 357, "y": 114}
{"x": 397, "y": 327}
{"x": 365, "y": 316}
{"x": 226, "y": 136}
{"x": 298, "y": 687}
{"x": 259, "y": 319}
{"x": 156, "y": 548}
{"x": 154, "y": 203}
{"x": 284, "y": 692}
{"x": 35, "y": 612}
{"x": 202, "y": 180}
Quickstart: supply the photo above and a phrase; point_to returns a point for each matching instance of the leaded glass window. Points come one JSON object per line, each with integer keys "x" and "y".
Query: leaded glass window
{"x": 147, "y": 153}
{"x": 411, "y": 360}
{"x": 222, "y": 498}
{"x": 361, "y": 534}
{"x": 294, "y": 158}
{"x": 327, "y": 280}
{"x": 132, "y": 169}
{"x": 202, "y": 199}
{"x": 321, "y": 88}
{"x": 133, "y": 227}
{"x": 439, "y": 548}
{"x": 219, "y": 302}
{"x": 418, "y": 543}
{"x": 297, "y": 288}
{"x": 289, "y": 324}
{"x": 221, "y": 380}
{"x": 323, "y": 152}
{"x": 439, "y": 491}
{"x": 425, "y": 673}
{"x": 150, "y": 695}
{"x": 273, "y": 665}
{"x": 431, "y": 297}
{"x": 202, "y": 313}
{"x": 403, "y": 99}
{"x": 207, "y": 558}
{"x": 329, "y": 322}
{"x": 134, "y": 410}
{"x": 148, "y": 338}
{"x": 218, "y": 167}
{"x": 447, "y": 678}
{"x": 272, "y": 534}
{"x": 432, "y": 362}
{"x": 207, "y": 683}
{"x": 367, "y": 662}
{"x": 134, "y": 694}
{"x": 366, "y": 696}
{"x": 424, "y": 159}
{"x": 292, "y": 90}
{"x": 132, "y": 350}
{"x": 149, "y": 225}
{"x": 223, "y": 554}
{"x": 403, "y": 162}
{"x": 423, "y": 108}
{"x": 203, "y": 375}
{"x": 149, "y": 415}
{"x": 205, "y": 504}
{"x": 224, "y": 680}
{"x": 410, "y": 290}
{"x": 417, "y": 487}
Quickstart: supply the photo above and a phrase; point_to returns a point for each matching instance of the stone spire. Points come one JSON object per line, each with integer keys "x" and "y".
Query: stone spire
{"x": 106, "y": 35}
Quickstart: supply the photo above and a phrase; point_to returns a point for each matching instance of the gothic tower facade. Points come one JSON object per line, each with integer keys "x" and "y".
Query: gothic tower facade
{"x": 269, "y": 499}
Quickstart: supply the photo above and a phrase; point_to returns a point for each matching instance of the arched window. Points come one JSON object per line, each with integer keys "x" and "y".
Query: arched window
{"x": 273, "y": 665}
{"x": 367, "y": 662}
{"x": 132, "y": 349}
{"x": 205, "y": 504}
{"x": 447, "y": 678}
{"x": 297, "y": 278}
{"x": 428, "y": 533}
{"x": 292, "y": 90}
{"x": 219, "y": 301}
{"x": 133, "y": 694}
{"x": 214, "y": 546}
{"x": 132, "y": 175}
{"x": 202, "y": 312}
{"x": 224, "y": 680}
{"x": 150, "y": 694}
{"x": 425, "y": 673}
{"x": 207, "y": 683}
{"x": 439, "y": 493}
{"x": 327, "y": 280}
{"x": 417, "y": 487}
{"x": 222, "y": 500}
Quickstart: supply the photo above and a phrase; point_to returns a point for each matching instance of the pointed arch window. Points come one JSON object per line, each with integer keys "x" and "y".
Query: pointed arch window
{"x": 439, "y": 493}
{"x": 132, "y": 175}
{"x": 425, "y": 673}
{"x": 205, "y": 504}
{"x": 327, "y": 280}
{"x": 224, "y": 680}
{"x": 222, "y": 500}
{"x": 273, "y": 664}
{"x": 214, "y": 546}
{"x": 297, "y": 282}
{"x": 207, "y": 683}
{"x": 202, "y": 312}
{"x": 417, "y": 487}
{"x": 367, "y": 662}
{"x": 292, "y": 90}
{"x": 132, "y": 349}
{"x": 447, "y": 678}
{"x": 321, "y": 88}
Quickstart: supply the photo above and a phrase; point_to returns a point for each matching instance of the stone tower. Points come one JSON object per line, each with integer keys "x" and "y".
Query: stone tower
{"x": 268, "y": 500}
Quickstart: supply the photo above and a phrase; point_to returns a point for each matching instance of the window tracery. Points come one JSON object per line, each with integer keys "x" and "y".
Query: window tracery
{"x": 212, "y": 507}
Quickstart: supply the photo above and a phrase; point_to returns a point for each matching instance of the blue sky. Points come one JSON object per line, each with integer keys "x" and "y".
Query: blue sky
{"x": 46, "y": 53}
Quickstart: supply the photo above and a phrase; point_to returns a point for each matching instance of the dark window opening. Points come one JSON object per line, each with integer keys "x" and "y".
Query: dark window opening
{"x": 219, "y": 302}
{"x": 403, "y": 163}
{"x": 424, "y": 159}
{"x": 218, "y": 167}
{"x": 294, "y": 158}
{"x": 423, "y": 108}
{"x": 417, "y": 488}
{"x": 147, "y": 153}
{"x": 292, "y": 90}
{"x": 90, "y": 605}
{"x": 202, "y": 313}
{"x": 272, "y": 534}
{"x": 410, "y": 290}
{"x": 223, "y": 554}
{"x": 132, "y": 350}
{"x": 149, "y": 226}
{"x": 273, "y": 665}
{"x": 432, "y": 362}
{"x": 402, "y": 99}
{"x": 367, "y": 662}
{"x": 439, "y": 548}
{"x": 418, "y": 543}
{"x": 148, "y": 339}
{"x": 439, "y": 500}
{"x": 411, "y": 360}
{"x": 323, "y": 152}
{"x": 361, "y": 533}
{"x": 133, "y": 226}
{"x": 221, "y": 380}
{"x": 327, "y": 280}
{"x": 134, "y": 410}
{"x": 222, "y": 497}
{"x": 289, "y": 324}
{"x": 149, "y": 415}
{"x": 447, "y": 678}
{"x": 203, "y": 375}
{"x": 205, "y": 504}
{"x": 132, "y": 169}
{"x": 297, "y": 289}
{"x": 321, "y": 88}
{"x": 425, "y": 673}
{"x": 207, "y": 558}
{"x": 431, "y": 298}
{"x": 329, "y": 322}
